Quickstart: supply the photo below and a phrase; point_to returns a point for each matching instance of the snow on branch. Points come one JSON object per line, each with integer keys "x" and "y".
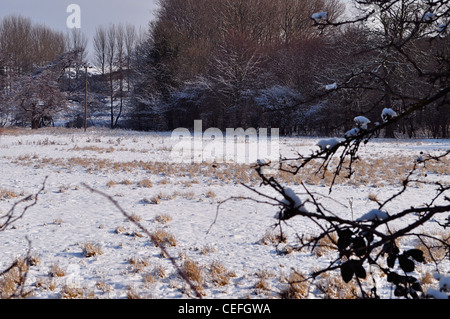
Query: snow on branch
{"x": 320, "y": 16}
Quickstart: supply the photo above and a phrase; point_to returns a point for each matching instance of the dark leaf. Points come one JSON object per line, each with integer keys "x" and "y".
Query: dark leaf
{"x": 391, "y": 260}
{"x": 416, "y": 254}
{"x": 391, "y": 248}
{"x": 416, "y": 286}
{"x": 360, "y": 272}
{"x": 410, "y": 279}
{"x": 413, "y": 294}
{"x": 406, "y": 264}
{"x": 394, "y": 278}
{"x": 359, "y": 245}
{"x": 347, "y": 271}
{"x": 344, "y": 238}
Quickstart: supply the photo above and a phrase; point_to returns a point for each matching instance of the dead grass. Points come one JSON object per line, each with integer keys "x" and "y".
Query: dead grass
{"x": 210, "y": 194}
{"x": 162, "y": 238}
{"x": 297, "y": 286}
{"x": 220, "y": 276}
{"x": 92, "y": 148}
{"x": 138, "y": 264}
{"x": 8, "y": 194}
{"x": 194, "y": 273}
{"x": 91, "y": 250}
{"x": 110, "y": 184}
{"x": 428, "y": 279}
{"x": 333, "y": 287}
{"x": 145, "y": 183}
{"x": 369, "y": 169}
{"x": 326, "y": 245}
{"x": 156, "y": 200}
{"x": 126, "y": 182}
{"x": 71, "y": 292}
{"x": 149, "y": 278}
{"x": 133, "y": 293}
{"x": 208, "y": 249}
{"x": 159, "y": 271}
{"x": 103, "y": 286}
{"x": 188, "y": 195}
{"x": 373, "y": 172}
{"x": 262, "y": 284}
{"x": 56, "y": 271}
{"x": 12, "y": 281}
{"x": 135, "y": 217}
{"x": 163, "y": 218}
{"x": 273, "y": 238}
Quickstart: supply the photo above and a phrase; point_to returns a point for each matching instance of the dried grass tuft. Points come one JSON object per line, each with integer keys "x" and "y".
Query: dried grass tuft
{"x": 91, "y": 250}
{"x": 162, "y": 238}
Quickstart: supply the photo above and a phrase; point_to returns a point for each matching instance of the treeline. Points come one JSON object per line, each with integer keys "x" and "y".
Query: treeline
{"x": 267, "y": 63}
{"x": 235, "y": 63}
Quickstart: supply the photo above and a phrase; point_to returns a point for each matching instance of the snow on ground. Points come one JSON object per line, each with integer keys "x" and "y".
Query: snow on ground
{"x": 68, "y": 215}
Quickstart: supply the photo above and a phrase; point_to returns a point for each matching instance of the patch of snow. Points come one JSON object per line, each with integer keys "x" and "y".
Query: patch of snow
{"x": 330, "y": 87}
{"x": 388, "y": 114}
{"x": 352, "y": 133}
{"x": 328, "y": 144}
{"x": 444, "y": 282}
{"x": 429, "y": 16}
{"x": 437, "y": 294}
{"x": 320, "y": 16}
{"x": 67, "y": 214}
{"x": 298, "y": 203}
{"x": 441, "y": 28}
{"x": 374, "y": 214}
{"x": 362, "y": 122}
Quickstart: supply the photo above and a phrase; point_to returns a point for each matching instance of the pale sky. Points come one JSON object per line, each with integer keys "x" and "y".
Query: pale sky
{"x": 53, "y": 13}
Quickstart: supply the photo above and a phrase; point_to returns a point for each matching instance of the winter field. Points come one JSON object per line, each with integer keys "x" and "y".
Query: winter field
{"x": 84, "y": 247}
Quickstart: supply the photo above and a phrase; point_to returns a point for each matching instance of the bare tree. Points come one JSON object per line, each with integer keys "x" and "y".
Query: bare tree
{"x": 100, "y": 48}
{"x": 131, "y": 38}
{"x": 236, "y": 67}
{"x": 26, "y": 48}
{"x": 37, "y": 99}
{"x": 111, "y": 51}
{"x": 114, "y": 49}
{"x": 78, "y": 43}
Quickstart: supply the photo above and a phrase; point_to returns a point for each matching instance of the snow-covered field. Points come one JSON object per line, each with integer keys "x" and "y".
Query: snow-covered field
{"x": 136, "y": 170}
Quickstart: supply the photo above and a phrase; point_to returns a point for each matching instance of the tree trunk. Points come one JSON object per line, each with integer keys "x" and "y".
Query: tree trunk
{"x": 35, "y": 123}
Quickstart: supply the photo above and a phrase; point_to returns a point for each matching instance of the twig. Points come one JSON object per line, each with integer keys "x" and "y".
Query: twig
{"x": 11, "y": 217}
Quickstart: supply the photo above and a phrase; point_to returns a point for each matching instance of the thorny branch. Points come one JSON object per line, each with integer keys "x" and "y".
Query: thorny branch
{"x": 366, "y": 241}
{"x": 12, "y": 216}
